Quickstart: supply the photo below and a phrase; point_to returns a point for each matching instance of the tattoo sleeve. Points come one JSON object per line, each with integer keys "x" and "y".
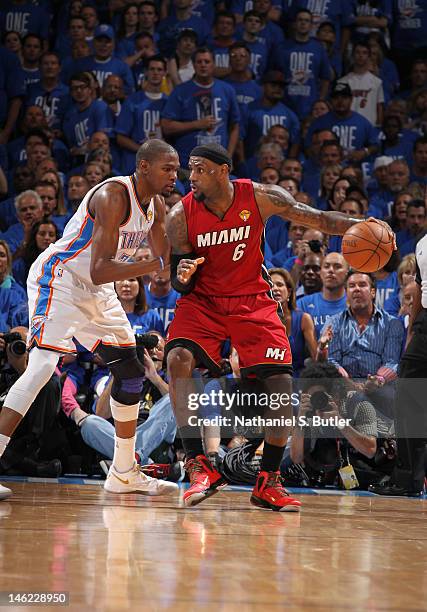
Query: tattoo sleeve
{"x": 176, "y": 230}
{"x": 274, "y": 200}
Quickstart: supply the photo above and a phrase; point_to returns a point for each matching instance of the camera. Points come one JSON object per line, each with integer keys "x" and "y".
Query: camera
{"x": 145, "y": 341}
{"x": 315, "y": 245}
{"x": 319, "y": 401}
{"x": 15, "y": 343}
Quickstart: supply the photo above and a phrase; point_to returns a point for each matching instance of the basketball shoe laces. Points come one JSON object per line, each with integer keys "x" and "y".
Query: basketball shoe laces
{"x": 193, "y": 468}
{"x": 276, "y": 482}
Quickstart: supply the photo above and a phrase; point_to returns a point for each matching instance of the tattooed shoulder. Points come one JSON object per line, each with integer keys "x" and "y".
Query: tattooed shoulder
{"x": 176, "y": 228}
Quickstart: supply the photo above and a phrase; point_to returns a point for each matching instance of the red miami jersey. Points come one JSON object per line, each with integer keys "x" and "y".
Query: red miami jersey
{"x": 232, "y": 246}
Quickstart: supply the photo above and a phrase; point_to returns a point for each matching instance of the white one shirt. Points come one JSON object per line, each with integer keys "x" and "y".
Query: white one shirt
{"x": 367, "y": 93}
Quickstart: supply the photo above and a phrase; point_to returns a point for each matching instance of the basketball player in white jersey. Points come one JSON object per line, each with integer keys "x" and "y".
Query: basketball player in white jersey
{"x": 71, "y": 294}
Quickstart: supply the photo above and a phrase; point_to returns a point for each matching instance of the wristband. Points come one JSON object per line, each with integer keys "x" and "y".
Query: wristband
{"x": 162, "y": 263}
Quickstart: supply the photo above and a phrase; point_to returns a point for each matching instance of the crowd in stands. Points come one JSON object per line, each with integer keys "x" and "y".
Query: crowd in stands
{"x": 326, "y": 98}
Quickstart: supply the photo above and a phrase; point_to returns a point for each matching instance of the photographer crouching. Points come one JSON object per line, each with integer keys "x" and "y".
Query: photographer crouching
{"x": 32, "y": 443}
{"x": 335, "y": 434}
{"x": 156, "y": 426}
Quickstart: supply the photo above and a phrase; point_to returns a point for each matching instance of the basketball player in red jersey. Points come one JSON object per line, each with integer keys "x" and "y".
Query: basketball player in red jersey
{"x": 216, "y": 234}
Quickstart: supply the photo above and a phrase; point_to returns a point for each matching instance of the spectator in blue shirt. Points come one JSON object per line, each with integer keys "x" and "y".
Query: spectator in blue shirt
{"x": 23, "y": 179}
{"x": 139, "y": 117}
{"x": 370, "y": 16}
{"x": 326, "y": 35}
{"x": 126, "y": 30}
{"x": 305, "y": 65}
{"x": 161, "y": 298}
{"x": 408, "y": 32}
{"x": 270, "y": 110}
{"x": 393, "y": 142}
{"x": 338, "y": 12}
{"x": 29, "y": 208}
{"x": 240, "y": 76}
{"x": 382, "y": 66}
{"x": 13, "y": 300}
{"x": 51, "y": 206}
{"x": 419, "y": 167}
{"x": 275, "y": 8}
{"x": 32, "y": 49}
{"x": 224, "y": 26}
{"x": 131, "y": 294}
{"x": 271, "y": 33}
{"x": 103, "y": 63}
{"x": 357, "y": 135}
{"x": 12, "y": 90}
{"x": 252, "y": 25}
{"x": 201, "y": 111}
{"x": 366, "y": 341}
{"x": 415, "y": 220}
{"x": 144, "y": 49}
{"x": 182, "y": 18}
{"x": 43, "y": 233}
{"x": 49, "y": 93}
{"x": 76, "y": 34}
{"x": 148, "y": 18}
{"x": 386, "y": 281}
{"x": 397, "y": 180}
{"x": 85, "y": 117}
{"x": 332, "y": 299}
{"x": 25, "y": 18}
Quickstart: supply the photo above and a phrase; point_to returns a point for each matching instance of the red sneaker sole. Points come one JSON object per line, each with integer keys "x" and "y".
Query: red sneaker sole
{"x": 261, "y": 504}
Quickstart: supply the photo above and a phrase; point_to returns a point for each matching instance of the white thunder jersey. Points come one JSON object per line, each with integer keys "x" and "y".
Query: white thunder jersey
{"x": 63, "y": 300}
{"x": 74, "y": 250}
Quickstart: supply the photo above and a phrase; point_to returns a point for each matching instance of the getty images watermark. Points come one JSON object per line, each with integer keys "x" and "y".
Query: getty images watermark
{"x": 211, "y": 405}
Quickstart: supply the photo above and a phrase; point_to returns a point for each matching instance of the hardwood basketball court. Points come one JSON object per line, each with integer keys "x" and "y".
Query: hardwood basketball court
{"x": 343, "y": 552}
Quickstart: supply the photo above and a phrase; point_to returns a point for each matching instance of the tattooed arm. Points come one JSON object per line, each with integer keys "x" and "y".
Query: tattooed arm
{"x": 274, "y": 200}
{"x": 182, "y": 268}
{"x": 176, "y": 230}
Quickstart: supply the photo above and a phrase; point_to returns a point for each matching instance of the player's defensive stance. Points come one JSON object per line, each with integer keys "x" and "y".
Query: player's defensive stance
{"x": 71, "y": 294}
{"x": 216, "y": 233}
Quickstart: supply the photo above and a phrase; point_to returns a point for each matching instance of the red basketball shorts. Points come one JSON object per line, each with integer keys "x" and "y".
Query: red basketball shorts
{"x": 202, "y": 323}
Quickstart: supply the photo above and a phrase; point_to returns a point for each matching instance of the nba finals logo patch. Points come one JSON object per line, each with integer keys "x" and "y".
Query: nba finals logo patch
{"x": 149, "y": 215}
{"x": 244, "y": 214}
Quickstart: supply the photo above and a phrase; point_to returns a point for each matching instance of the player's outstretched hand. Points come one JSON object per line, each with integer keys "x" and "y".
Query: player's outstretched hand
{"x": 186, "y": 269}
{"x": 387, "y": 227}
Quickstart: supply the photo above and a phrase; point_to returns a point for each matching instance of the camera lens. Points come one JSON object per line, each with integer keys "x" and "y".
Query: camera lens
{"x": 319, "y": 401}
{"x": 18, "y": 347}
{"x": 315, "y": 245}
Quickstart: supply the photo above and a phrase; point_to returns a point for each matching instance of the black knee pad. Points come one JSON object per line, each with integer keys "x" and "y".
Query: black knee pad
{"x": 128, "y": 373}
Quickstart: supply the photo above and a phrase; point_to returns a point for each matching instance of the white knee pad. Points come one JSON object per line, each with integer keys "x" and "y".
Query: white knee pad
{"x": 122, "y": 412}
{"x": 41, "y": 366}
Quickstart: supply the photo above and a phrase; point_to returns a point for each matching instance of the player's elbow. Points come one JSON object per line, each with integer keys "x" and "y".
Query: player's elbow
{"x": 96, "y": 275}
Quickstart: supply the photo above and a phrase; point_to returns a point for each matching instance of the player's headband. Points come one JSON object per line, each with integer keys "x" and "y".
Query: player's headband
{"x": 213, "y": 155}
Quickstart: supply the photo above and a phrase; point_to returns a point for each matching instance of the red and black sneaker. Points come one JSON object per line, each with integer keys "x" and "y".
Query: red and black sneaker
{"x": 173, "y": 472}
{"x": 205, "y": 480}
{"x": 270, "y": 494}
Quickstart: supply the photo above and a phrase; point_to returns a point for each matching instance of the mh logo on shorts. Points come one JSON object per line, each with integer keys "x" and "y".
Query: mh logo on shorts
{"x": 275, "y": 353}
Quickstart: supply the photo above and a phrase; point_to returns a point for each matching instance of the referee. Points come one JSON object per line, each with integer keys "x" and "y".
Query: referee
{"x": 411, "y": 399}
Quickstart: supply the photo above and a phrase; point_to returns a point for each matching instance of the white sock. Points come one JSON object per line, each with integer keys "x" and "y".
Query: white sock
{"x": 124, "y": 453}
{"x": 4, "y": 441}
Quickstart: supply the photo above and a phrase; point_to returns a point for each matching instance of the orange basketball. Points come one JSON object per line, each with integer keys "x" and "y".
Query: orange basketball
{"x": 367, "y": 246}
